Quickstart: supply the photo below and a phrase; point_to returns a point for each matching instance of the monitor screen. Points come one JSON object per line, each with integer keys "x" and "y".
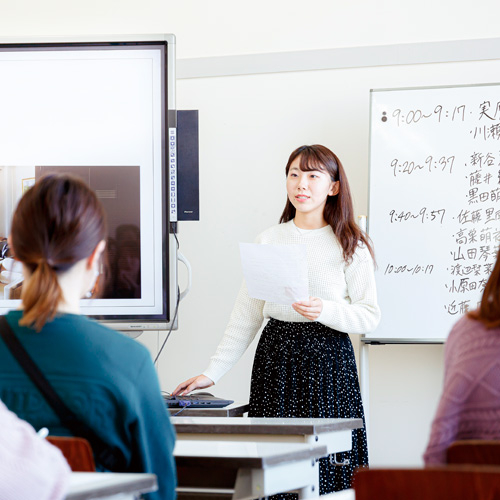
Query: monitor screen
{"x": 105, "y": 112}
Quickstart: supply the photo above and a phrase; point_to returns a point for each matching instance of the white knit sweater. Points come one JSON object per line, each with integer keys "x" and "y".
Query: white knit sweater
{"x": 347, "y": 290}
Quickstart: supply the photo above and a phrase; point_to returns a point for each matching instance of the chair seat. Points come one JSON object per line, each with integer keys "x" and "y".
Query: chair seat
{"x": 474, "y": 451}
{"x": 77, "y": 452}
{"x": 458, "y": 482}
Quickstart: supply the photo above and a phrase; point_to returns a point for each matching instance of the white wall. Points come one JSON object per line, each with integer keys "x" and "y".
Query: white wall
{"x": 221, "y": 27}
{"x": 249, "y": 125}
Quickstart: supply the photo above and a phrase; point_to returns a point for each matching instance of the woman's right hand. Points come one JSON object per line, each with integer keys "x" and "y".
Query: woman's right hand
{"x": 199, "y": 382}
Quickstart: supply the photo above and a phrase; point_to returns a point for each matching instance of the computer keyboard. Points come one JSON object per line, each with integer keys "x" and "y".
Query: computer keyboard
{"x": 196, "y": 400}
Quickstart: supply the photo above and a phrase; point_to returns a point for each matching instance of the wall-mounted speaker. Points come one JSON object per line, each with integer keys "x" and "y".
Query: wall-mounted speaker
{"x": 188, "y": 163}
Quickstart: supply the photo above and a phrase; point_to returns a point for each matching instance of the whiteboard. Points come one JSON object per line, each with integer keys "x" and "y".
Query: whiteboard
{"x": 434, "y": 206}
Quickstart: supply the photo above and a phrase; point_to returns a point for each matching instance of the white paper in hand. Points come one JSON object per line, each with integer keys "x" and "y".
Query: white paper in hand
{"x": 275, "y": 273}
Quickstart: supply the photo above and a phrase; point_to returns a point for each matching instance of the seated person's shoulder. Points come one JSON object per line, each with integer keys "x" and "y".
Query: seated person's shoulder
{"x": 109, "y": 338}
{"x": 470, "y": 338}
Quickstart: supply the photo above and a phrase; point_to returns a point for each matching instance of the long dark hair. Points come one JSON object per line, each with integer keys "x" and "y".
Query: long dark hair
{"x": 57, "y": 223}
{"x": 338, "y": 212}
{"x": 488, "y": 311}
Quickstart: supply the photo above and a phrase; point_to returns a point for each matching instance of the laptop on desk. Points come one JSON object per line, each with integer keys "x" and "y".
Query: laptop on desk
{"x": 196, "y": 400}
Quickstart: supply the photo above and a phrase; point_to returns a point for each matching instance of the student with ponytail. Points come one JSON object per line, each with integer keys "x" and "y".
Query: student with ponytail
{"x": 304, "y": 364}
{"x": 106, "y": 379}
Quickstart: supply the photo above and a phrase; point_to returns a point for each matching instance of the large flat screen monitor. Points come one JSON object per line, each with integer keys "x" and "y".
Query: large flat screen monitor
{"x": 104, "y": 110}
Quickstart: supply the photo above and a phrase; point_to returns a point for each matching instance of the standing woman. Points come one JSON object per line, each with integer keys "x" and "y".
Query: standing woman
{"x": 304, "y": 365}
{"x": 106, "y": 379}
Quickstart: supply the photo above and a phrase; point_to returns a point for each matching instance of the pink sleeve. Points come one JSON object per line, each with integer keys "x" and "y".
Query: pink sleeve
{"x": 445, "y": 424}
{"x": 30, "y": 467}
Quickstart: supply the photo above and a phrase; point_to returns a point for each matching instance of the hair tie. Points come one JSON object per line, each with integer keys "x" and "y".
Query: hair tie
{"x": 48, "y": 261}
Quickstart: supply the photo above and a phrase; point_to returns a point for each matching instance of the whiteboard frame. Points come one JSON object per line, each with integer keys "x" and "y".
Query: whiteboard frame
{"x": 383, "y": 340}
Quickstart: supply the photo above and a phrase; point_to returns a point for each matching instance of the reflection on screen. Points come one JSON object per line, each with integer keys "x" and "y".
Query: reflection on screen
{"x": 118, "y": 189}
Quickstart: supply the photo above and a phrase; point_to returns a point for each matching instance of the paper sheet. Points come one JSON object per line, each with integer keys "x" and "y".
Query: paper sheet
{"x": 275, "y": 273}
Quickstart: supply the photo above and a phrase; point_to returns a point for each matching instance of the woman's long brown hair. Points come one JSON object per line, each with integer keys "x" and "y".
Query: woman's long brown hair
{"x": 339, "y": 211}
{"x": 57, "y": 223}
{"x": 488, "y": 311}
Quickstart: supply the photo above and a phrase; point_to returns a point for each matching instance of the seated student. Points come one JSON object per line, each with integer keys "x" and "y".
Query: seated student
{"x": 107, "y": 379}
{"x": 30, "y": 467}
{"x": 470, "y": 403}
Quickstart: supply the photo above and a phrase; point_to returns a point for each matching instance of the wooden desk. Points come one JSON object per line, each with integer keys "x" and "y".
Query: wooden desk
{"x": 115, "y": 486}
{"x": 334, "y": 433}
{"x": 254, "y": 470}
{"x": 232, "y": 410}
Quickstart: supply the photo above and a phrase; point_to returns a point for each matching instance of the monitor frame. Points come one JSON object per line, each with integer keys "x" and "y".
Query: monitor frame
{"x": 168, "y": 319}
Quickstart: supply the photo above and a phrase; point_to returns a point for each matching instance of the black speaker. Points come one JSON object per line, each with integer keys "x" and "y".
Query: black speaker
{"x": 188, "y": 163}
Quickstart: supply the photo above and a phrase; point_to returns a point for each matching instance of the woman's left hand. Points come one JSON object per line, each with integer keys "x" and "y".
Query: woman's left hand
{"x": 310, "y": 309}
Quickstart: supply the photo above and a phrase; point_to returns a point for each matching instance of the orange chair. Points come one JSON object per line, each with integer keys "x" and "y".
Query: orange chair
{"x": 443, "y": 483}
{"x": 77, "y": 452}
{"x": 474, "y": 452}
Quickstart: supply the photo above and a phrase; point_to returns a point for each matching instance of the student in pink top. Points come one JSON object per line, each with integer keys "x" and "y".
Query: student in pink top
{"x": 470, "y": 403}
{"x": 30, "y": 467}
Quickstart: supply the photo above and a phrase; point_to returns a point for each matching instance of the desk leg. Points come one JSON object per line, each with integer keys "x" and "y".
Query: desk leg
{"x": 311, "y": 491}
{"x": 336, "y": 442}
{"x": 301, "y": 476}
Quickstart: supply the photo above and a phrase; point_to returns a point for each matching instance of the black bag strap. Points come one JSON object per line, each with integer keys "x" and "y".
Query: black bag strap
{"x": 109, "y": 457}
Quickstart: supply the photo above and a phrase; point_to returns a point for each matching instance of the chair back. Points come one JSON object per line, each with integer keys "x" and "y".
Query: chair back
{"x": 474, "y": 452}
{"x": 77, "y": 451}
{"x": 443, "y": 483}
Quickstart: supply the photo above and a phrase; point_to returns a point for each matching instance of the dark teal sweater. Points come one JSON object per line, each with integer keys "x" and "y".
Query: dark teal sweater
{"x": 107, "y": 379}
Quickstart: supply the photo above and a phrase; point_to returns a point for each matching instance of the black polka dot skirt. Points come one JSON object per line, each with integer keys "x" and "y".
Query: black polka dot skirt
{"x": 308, "y": 370}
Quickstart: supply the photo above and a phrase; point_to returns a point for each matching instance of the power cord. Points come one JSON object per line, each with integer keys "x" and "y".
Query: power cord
{"x": 171, "y": 326}
{"x": 175, "y": 314}
{"x": 183, "y": 403}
